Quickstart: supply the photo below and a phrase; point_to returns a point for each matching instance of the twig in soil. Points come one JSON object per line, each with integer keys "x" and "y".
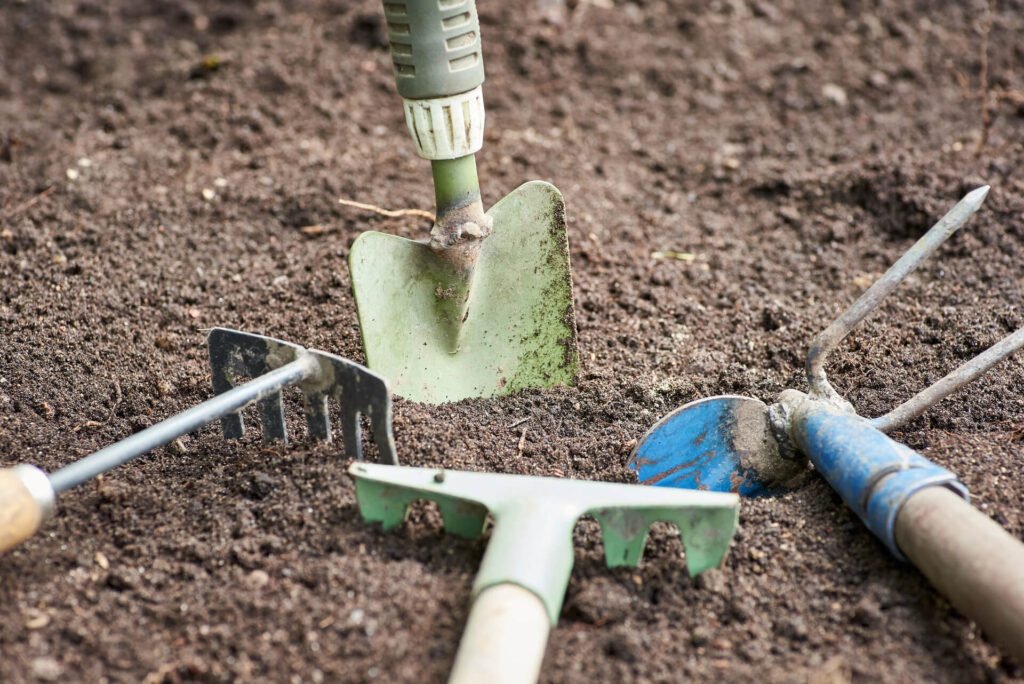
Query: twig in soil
{"x": 29, "y": 203}
{"x": 522, "y": 442}
{"x": 390, "y": 213}
{"x": 518, "y": 423}
{"x": 678, "y": 256}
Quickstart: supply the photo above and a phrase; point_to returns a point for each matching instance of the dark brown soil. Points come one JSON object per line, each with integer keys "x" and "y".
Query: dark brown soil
{"x": 796, "y": 148}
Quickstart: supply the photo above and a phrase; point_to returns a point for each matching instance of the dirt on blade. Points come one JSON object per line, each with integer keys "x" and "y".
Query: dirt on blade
{"x": 161, "y": 165}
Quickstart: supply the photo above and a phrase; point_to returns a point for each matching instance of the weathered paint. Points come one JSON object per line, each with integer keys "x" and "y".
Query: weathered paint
{"x": 516, "y": 328}
{"x": 875, "y": 475}
{"x": 719, "y": 444}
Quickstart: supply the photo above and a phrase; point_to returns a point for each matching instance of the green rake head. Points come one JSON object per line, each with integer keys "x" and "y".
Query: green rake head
{"x": 531, "y": 543}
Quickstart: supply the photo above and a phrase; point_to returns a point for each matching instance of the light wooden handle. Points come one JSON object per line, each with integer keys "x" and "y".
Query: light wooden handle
{"x": 24, "y": 504}
{"x": 504, "y": 639}
{"x": 971, "y": 559}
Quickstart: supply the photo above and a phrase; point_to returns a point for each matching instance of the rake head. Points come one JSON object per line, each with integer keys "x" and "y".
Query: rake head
{"x": 236, "y": 356}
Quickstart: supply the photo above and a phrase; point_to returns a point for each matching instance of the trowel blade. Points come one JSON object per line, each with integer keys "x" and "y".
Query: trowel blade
{"x": 719, "y": 444}
{"x": 518, "y": 328}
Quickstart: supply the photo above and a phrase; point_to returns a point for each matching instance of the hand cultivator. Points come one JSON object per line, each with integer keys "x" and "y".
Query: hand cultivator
{"x": 28, "y": 495}
{"x": 518, "y": 591}
{"x": 483, "y": 308}
{"x": 918, "y": 509}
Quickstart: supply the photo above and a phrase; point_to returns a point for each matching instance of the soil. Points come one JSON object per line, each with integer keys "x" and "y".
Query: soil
{"x": 166, "y": 167}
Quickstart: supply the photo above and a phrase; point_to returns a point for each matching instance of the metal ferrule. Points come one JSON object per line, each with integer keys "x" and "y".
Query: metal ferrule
{"x": 874, "y": 475}
{"x": 38, "y": 485}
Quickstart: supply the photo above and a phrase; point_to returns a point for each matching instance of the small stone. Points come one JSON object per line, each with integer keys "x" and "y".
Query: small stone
{"x": 257, "y": 579}
{"x": 700, "y": 636}
{"x": 47, "y": 669}
{"x": 867, "y": 613}
{"x": 356, "y": 616}
{"x": 208, "y": 194}
{"x": 36, "y": 619}
{"x": 220, "y": 182}
{"x": 72, "y": 174}
{"x": 101, "y": 560}
{"x": 834, "y": 94}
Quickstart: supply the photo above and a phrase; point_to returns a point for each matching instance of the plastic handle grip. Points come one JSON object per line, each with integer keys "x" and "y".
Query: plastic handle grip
{"x": 435, "y": 47}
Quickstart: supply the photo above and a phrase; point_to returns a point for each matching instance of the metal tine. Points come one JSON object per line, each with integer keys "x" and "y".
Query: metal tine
{"x": 234, "y": 353}
{"x": 965, "y": 374}
{"x": 318, "y": 418}
{"x": 272, "y": 418}
{"x": 829, "y": 339}
{"x": 351, "y": 432}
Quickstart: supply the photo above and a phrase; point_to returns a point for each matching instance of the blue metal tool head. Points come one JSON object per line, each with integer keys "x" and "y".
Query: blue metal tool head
{"x": 719, "y": 444}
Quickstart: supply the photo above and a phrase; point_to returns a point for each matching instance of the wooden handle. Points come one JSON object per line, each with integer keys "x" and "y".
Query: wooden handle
{"x": 21, "y": 512}
{"x": 504, "y": 639}
{"x": 971, "y": 559}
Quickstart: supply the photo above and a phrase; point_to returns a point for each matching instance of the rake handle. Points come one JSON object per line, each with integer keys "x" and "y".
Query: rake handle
{"x": 970, "y": 559}
{"x": 504, "y": 639}
{"x": 21, "y": 512}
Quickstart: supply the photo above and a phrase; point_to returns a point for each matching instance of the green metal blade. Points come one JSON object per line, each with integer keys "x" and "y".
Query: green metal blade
{"x": 517, "y": 327}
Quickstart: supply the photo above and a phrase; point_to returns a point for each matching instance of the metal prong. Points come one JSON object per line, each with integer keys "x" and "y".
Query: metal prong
{"x": 829, "y": 338}
{"x": 351, "y": 433}
{"x": 966, "y": 373}
{"x": 272, "y": 418}
{"x": 318, "y": 419}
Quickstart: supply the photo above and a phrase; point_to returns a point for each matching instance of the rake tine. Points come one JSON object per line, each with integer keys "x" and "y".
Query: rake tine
{"x": 830, "y": 338}
{"x": 272, "y": 418}
{"x": 351, "y": 434}
{"x": 383, "y": 436}
{"x": 318, "y": 419}
{"x": 233, "y": 425}
{"x": 965, "y": 374}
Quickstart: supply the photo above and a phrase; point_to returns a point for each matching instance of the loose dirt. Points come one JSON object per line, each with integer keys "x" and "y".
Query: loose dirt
{"x": 166, "y": 167}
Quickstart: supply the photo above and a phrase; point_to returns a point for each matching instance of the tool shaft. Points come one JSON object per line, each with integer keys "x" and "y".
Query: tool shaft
{"x": 970, "y": 559}
{"x": 504, "y": 639}
{"x": 188, "y": 421}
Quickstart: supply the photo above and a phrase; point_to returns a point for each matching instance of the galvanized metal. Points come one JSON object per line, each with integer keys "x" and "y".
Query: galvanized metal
{"x": 829, "y": 339}
{"x": 273, "y": 365}
{"x": 355, "y": 390}
{"x": 531, "y": 542}
{"x": 440, "y": 331}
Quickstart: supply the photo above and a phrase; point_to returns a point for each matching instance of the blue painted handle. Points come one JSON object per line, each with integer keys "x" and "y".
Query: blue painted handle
{"x": 874, "y": 474}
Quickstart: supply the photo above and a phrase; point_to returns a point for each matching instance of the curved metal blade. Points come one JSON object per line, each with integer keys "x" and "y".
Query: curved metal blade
{"x": 719, "y": 444}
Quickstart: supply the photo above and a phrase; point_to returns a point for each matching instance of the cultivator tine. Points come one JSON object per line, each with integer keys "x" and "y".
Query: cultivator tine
{"x": 965, "y": 374}
{"x": 829, "y": 339}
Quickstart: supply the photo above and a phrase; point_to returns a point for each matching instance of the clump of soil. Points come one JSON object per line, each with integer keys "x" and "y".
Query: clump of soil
{"x": 170, "y": 166}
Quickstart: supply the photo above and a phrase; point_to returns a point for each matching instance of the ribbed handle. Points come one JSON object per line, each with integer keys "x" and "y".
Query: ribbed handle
{"x": 435, "y": 47}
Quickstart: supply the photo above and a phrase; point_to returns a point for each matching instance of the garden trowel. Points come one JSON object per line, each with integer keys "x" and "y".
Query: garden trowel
{"x": 484, "y": 306}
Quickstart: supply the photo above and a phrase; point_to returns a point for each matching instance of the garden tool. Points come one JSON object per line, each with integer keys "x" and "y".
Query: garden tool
{"x": 28, "y": 495}
{"x": 918, "y": 509}
{"x": 484, "y": 306}
{"x": 518, "y": 591}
